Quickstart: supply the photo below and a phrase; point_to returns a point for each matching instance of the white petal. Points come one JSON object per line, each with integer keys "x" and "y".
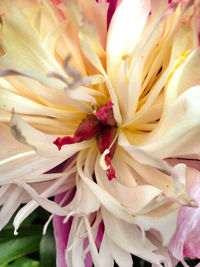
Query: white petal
{"x": 103, "y": 196}
{"x": 186, "y": 76}
{"x": 9, "y": 146}
{"x": 48, "y": 191}
{"x": 14, "y": 197}
{"x": 178, "y": 131}
{"x": 127, "y": 195}
{"x": 104, "y": 252}
{"x": 122, "y": 257}
{"x": 161, "y": 224}
{"x": 17, "y": 36}
{"x": 42, "y": 143}
{"x": 139, "y": 154}
{"x": 95, "y": 255}
{"x": 129, "y": 238}
{"x": 23, "y": 105}
{"x": 130, "y": 16}
{"x": 84, "y": 200}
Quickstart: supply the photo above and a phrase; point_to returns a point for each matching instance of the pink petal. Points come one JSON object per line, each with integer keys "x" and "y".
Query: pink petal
{"x": 100, "y": 234}
{"x": 56, "y": 3}
{"x": 192, "y": 163}
{"x": 111, "y": 10}
{"x": 112, "y": 6}
{"x": 186, "y": 240}
{"x": 88, "y": 259}
{"x": 61, "y": 233}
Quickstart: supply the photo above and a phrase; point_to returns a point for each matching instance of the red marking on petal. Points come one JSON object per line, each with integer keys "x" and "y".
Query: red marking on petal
{"x": 110, "y": 173}
{"x": 87, "y": 129}
{"x": 105, "y": 140}
{"x": 100, "y": 234}
{"x": 105, "y": 114}
{"x": 66, "y": 140}
{"x": 107, "y": 159}
{"x": 111, "y": 10}
{"x": 56, "y": 3}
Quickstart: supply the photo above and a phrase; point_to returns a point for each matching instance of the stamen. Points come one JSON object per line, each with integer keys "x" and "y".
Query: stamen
{"x": 107, "y": 145}
{"x": 102, "y": 125}
{"x": 110, "y": 173}
{"x": 103, "y": 162}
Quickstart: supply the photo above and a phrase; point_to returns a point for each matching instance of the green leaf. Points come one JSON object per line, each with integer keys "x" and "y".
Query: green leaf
{"x": 48, "y": 250}
{"x": 15, "y": 248}
{"x": 25, "y": 230}
{"x": 24, "y": 262}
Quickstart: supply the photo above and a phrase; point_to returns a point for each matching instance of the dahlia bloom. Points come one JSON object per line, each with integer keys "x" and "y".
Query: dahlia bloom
{"x": 100, "y": 108}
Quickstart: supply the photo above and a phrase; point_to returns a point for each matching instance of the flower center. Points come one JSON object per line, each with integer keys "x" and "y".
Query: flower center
{"x": 101, "y": 124}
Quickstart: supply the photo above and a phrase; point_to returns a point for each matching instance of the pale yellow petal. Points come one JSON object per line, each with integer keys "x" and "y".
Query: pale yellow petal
{"x": 178, "y": 131}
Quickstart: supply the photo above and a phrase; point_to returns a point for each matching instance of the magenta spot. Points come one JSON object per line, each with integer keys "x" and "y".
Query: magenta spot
{"x": 111, "y": 10}
{"x": 105, "y": 139}
{"x": 100, "y": 234}
{"x": 105, "y": 114}
{"x": 102, "y": 125}
{"x": 87, "y": 129}
{"x": 110, "y": 173}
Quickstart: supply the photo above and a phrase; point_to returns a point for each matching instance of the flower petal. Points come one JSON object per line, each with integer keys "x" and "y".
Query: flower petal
{"x": 186, "y": 76}
{"x": 186, "y": 241}
{"x": 104, "y": 253}
{"x": 97, "y": 13}
{"x": 121, "y": 257}
{"x": 139, "y": 154}
{"x": 23, "y": 105}
{"x": 129, "y": 238}
{"x": 19, "y": 36}
{"x": 42, "y": 143}
{"x": 84, "y": 200}
{"x": 178, "y": 131}
{"x": 12, "y": 199}
{"x": 102, "y": 195}
{"x": 130, "y": 16}
{"x": 9, "y": 145}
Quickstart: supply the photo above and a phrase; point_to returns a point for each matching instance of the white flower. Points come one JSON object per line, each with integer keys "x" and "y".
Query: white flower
{"x": 118, "y": 108}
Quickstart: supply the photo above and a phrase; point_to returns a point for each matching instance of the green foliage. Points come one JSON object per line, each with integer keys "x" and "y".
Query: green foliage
{"x": 24, "y": 262}
{"x": 29, "y": 248}
{"x": 18, "y": 247}
{"x": 47, "y": 250}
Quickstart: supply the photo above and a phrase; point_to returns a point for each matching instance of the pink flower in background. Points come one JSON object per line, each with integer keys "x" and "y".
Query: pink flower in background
{"x": 100, "y": 109}
{"x": 186, "y": 241}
